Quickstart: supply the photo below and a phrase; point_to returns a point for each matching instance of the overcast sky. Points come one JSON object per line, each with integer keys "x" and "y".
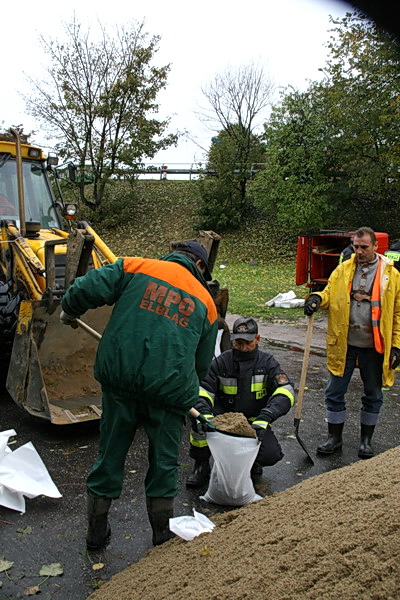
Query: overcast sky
{"x": 199, "y": 39}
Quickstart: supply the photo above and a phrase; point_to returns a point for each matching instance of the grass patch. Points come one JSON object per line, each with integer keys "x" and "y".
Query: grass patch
{"x": 255, "y": 262}
{"x": 251, "y": 286}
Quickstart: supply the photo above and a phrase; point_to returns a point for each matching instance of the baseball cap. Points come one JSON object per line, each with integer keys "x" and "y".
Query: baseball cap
{"x": 244, "y": 328}
{"x": 199, "y": 252}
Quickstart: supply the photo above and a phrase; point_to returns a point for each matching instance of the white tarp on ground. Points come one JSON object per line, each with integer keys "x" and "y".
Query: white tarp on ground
{"x": 286, "y": 300}
{"x": 22, "y": 473}
{"x": 188, "y": 527}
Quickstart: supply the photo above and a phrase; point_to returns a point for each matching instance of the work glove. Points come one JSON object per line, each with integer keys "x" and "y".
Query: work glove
{"x": 394, "y": 360}
{"x": 66, "y": 319}
{"x": 202, "y": 424}
{"x": 261, "y": 423}
{"x": 311, "y": 305}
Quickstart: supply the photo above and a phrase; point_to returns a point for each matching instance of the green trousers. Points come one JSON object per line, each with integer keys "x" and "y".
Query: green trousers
{"x": 120, "y": 419}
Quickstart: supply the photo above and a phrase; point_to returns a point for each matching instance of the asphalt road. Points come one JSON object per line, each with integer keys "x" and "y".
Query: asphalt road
{"x": 53, "y": 530}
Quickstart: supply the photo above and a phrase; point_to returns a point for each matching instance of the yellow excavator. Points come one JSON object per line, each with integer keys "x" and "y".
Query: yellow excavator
{"x": 47, "y": 368}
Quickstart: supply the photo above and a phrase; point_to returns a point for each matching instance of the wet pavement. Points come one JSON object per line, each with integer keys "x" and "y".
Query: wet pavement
{"x": 53, "y": 530}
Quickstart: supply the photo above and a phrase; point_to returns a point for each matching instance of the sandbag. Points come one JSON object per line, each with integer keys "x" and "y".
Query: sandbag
{"x": 230, "y": 482}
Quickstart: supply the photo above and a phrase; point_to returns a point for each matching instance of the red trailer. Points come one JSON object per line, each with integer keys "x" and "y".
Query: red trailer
{"x": 318, "y": 254}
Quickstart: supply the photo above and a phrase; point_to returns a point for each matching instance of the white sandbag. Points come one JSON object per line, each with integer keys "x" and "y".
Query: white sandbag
{"x": 230, "y": 482}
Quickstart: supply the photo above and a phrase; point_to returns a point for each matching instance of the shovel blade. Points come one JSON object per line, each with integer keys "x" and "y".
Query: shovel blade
{"x": 298, "y": 438}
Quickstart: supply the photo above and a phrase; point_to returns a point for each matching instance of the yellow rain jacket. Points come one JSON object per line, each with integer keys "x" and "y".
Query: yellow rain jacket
{"x": 336, "y": 298}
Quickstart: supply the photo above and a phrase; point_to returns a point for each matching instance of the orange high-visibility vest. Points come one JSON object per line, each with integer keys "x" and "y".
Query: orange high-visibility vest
{"x": 376, "y": 310}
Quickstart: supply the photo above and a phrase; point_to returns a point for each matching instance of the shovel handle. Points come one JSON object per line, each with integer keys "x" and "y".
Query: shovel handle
{"x": 304, "y": 367}
{"x": 89, "y": 329}
{"x": 195, "y": 413}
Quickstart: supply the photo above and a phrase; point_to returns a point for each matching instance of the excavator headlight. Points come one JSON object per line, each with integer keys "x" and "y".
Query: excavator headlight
{"x": 34, "y": 152}
{"x": 70, "y": 210}
{"x": 52, "y": 160}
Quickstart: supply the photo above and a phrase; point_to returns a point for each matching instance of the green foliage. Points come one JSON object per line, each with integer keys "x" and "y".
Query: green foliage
{"x": 298, "y": 182}
{"x": 221, "y": 203}
{"x": 333, "y": 151}
{"x": 231, "y": 160}
{"x": 364, "y": 107}
{"x": 99, "y": 101}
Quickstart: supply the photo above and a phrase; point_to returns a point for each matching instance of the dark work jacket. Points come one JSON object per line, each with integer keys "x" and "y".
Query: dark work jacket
{"x": 245, "y": 382}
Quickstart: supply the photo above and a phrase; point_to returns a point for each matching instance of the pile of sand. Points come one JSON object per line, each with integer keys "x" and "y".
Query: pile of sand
{"x": 333, "y": 536}
{"x": 234, "y": 422}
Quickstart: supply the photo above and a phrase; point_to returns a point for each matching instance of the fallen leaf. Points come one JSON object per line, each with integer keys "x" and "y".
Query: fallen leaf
{"x": 292, "y": 437}
{"x": 31, "y": 591}
{"x": 133, "y": 471}
{"x": 5, "y": 565}
{"x": 51, "y": 570}
{"x": 299, "y": 474}
{"x": 97, "y": 566}
{"x": 205, "y": 552}
{"x": 24, "y": 531}
{"x": 128, "y": 537}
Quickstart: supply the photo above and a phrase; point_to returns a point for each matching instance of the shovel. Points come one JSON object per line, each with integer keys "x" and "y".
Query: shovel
{"x": 89, "y": 329}
{"x": 193, "y": 412}
{"x": 196, "y": 415}
{"x": 302, "y": 385}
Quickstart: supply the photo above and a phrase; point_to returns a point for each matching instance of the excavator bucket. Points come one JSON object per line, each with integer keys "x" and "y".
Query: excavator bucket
{"x": 51, "y": 367}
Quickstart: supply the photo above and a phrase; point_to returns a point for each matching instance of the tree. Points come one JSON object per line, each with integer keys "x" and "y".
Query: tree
{"x": 223, "y": 189}
{"x": 300, "y": 176}
{"x": 99, "y": 101}
{"x": 364, "y": 66}
{"x": 333, "y": 151}
{"x": 237, "y": 100}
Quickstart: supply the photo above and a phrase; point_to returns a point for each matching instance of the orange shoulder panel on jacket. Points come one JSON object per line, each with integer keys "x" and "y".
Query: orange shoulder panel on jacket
{"x": 174, "y": 274}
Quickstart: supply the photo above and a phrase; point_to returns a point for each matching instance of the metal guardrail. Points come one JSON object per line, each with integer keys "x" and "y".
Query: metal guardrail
{"x": 183, "y": 169}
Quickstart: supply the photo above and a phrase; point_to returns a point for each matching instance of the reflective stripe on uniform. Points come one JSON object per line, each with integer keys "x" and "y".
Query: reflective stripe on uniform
{"x": 376, "y": 310}
{"x": 228, "y": 385}
{"x": 198, "y": 440}
{"x": 395, "y": 256}
{"x": 203, "y": 393}
{"x": 258, "y": 386}
{"x": 260, "y": 423}
{"x": 286, "y": 390}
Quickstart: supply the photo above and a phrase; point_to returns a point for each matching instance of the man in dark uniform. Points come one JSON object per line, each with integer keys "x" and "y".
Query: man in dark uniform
{"x": 245, "y": 380}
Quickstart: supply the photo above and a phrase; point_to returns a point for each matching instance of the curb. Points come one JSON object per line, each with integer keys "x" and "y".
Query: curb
{"x": 296, "y": 347}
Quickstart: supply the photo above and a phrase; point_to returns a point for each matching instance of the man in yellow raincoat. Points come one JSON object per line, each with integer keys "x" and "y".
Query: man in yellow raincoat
{"x": 363, "y": 301}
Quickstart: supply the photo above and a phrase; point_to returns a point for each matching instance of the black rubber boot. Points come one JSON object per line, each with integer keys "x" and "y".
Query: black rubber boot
{"x": 160, "y": 511}
{"x": 200, "y": 474}
{"x": 256, "y": 472}
{"x": 334, "y": 441}
{"x": 99, "y": 530}
{"x": 365, "y": 450}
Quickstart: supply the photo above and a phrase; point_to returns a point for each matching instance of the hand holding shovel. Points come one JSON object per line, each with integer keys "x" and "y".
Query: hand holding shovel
{"x": 196, "y": 415}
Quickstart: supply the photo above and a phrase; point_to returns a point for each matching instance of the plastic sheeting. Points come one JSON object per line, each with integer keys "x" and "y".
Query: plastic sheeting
{"x": 22, "y": 473}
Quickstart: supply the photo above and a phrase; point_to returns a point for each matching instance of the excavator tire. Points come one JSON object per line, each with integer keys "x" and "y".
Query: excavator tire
{"x": 9, "y": 303}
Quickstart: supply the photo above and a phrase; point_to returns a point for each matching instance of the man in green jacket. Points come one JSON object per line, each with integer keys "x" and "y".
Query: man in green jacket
{"x": 363, "y": 301}
{"x": 156, "y": 347}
